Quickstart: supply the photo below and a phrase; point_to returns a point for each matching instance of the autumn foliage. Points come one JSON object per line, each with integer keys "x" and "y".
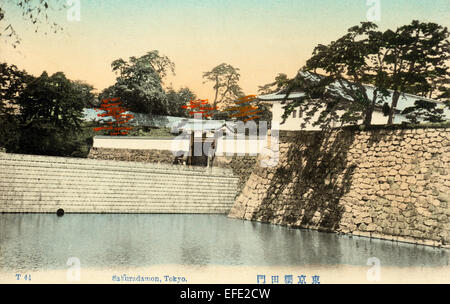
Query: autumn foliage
{"x": 244, "y": 109}
{"x": 112, "y": 108}
{"x": 199, "y": 106}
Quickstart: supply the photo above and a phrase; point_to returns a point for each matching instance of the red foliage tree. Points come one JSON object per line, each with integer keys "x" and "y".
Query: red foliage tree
{"x": 112, "y": 109}
{"x": 199, "y": 106}
{"x": 244, "y": 108}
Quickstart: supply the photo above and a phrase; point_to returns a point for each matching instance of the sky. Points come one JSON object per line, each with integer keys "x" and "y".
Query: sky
{"x": 260, "y": 37}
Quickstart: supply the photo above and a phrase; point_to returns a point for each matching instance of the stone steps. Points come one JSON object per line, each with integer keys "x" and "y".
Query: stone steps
{"x": 47, "y": 192}
{"x": 106, "y": 165}
{"x": 30, "y": 183}
{"x": 55, "y": 167}
{"x": 34, "y": 183}
{"x": 130, "y": 188}
{"x": 123, "y": 181}
{"x": 113, "y": 200}
{"x": 110, "y": 198}
{"x": 94, "y": 171}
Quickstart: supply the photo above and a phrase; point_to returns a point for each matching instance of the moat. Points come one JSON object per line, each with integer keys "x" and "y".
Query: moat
{"x": 34, "y": 242}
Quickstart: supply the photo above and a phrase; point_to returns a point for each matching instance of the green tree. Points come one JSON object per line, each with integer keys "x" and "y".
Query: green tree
{"x": 417, "y": 57}
{"x": 281, "y": 80}
{"x": 177, "y": 99}
{"x": 12, "y": 83}
{"x": 405, "y": 61}
{"x": 348, "y": 64}
{"x": 225, "y": 78}
{"x": 51, "y": 113}
{"x": 90, "y": 99}
{"x": 424, "y": 109}
{"x": 139, "y": 83}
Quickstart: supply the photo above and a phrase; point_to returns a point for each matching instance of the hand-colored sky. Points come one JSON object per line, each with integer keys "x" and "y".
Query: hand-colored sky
{"x": 261, "y": 37}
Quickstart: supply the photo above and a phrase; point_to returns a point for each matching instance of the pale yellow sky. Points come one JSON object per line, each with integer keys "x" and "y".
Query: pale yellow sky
{"x": 262, "y": 38}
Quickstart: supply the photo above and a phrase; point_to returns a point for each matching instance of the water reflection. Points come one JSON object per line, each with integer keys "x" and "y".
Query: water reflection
{"x": 45, "y": 241}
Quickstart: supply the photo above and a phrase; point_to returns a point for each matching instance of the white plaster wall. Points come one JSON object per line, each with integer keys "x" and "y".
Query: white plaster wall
{"x": 114, "y": 142}
{"x": 293, "y": 124}
{"x": 224, "y": 146}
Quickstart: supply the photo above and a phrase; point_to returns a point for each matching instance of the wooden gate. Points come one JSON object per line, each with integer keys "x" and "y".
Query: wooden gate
{"x": 201, "y": 150}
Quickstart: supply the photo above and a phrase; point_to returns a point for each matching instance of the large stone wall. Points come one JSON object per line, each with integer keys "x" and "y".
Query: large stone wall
{"x": 390, "y": 184}
{"x": 30, "y": 183}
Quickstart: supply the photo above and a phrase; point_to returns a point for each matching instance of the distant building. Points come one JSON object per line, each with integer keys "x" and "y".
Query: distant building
{"x": 296, "y": 118}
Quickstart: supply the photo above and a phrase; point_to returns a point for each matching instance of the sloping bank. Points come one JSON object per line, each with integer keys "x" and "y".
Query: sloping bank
{"x": 389, "y": 184}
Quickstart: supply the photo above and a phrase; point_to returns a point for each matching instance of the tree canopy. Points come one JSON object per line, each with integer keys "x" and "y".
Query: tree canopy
{"x": 53, "y": 99}
{"x": 12, "y": 83}
{"x": 413, "y": 59}
{"x": 177, "y": 99}
{"x": 139, "y": 83}
{"x": 280, "y": 81}
{"x": 225, "y": 78}
{"x": 51, "y": 114}
{"x": 417, "y": 57}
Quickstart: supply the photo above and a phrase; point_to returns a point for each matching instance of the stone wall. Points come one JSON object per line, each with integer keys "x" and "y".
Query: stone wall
{"x": 137, "y": 155}
{"x": 389, "y": 184}
{"x": 30, "y": 183}
{"x": 242, "y": 167}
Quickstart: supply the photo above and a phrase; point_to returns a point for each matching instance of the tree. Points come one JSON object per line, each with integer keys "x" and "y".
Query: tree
{"x": 424, "y": 109}
{"x": 177, "y": 99}
{"x": 51, "y": 113}
{"x": 348, "y": 64}
{"x": 404, "y": 61}
{"x": 417, "y": 55}
{"x": 139, "y": 83}
{"x": 265, "y": 114}
{"x": 12, "y": 83}
{"x": 34, "y": 11}
{"x": 161, "y": 64}
{"x": 118, "y": 122}
{"x": 199, "y": 108}
{"x": 280, "y": 82}
{"x": 225, "y": 78}
{"x": 90, "y": 99}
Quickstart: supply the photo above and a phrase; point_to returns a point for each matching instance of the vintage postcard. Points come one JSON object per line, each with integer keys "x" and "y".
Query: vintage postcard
{"x": 224, "y": 142}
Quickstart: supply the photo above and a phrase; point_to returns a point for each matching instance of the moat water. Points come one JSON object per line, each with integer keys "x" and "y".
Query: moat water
{"x": 107, "y": 241}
